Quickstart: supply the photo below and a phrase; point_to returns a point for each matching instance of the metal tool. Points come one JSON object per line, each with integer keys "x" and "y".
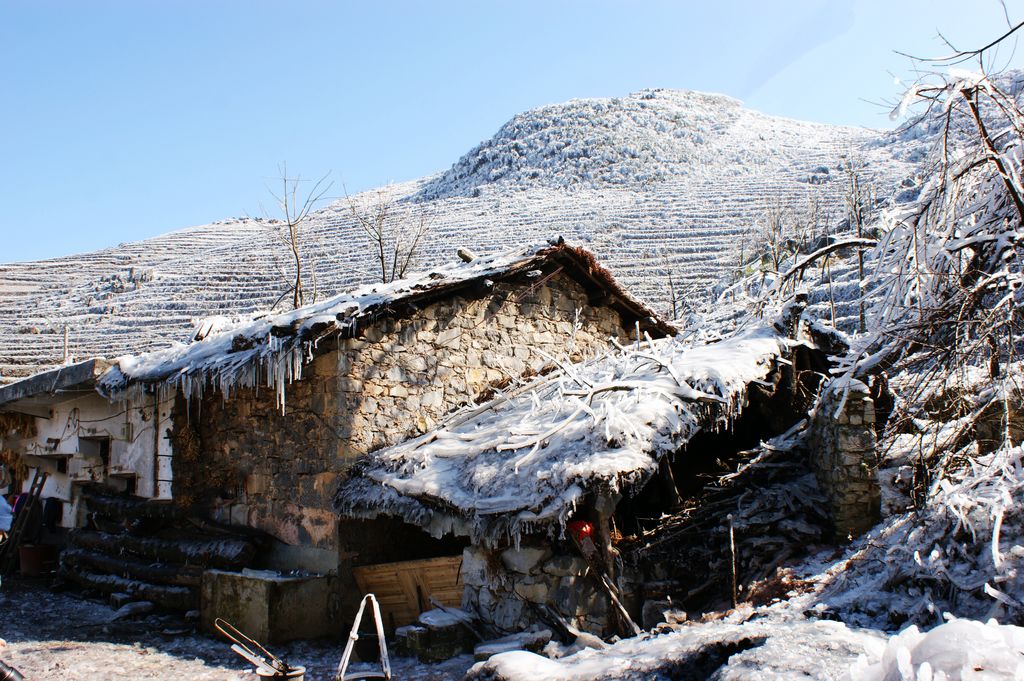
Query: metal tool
{"x": 266, "y": 663}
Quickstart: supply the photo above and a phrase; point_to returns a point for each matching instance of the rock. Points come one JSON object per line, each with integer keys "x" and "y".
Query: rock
{"x": 653, "y": 613}
{"x": 564, "y": 565}
{"x": 584, "y": 641}
{"x": 566, "y": 595}
{"x": 508, "y": 614}
{"x": 535, "y": 592}
{"x": 524, "y": 560}
{"x": 474, "y": 567}
{"x": 132, "y": 610}
{"x": 534, "y": 641}
{"x": 119, "y": 599}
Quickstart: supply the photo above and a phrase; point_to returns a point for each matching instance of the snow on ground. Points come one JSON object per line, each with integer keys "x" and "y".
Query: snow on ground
{"x": 733, "y": 650}
{"x": 772, "y": 648}
{"x": 65, "y": 637}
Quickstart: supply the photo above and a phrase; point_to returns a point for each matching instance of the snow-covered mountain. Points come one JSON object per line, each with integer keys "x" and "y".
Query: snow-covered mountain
{"x": 654, "y": 183}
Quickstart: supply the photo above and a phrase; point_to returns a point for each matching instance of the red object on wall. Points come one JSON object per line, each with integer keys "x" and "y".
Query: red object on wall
{"x": 581, "y": 530}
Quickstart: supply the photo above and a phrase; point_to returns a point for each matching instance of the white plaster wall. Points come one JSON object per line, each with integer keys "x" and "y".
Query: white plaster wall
{"x": 136, "y": 431}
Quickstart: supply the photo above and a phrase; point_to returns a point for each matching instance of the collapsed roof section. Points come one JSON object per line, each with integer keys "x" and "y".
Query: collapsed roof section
{"x": 521, "y": 464}
{"x": 271, "y": 349}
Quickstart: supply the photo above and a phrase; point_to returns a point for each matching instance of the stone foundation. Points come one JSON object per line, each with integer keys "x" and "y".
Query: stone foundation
{"x": 500, "y": 585}
{"x": 845, "y": 461}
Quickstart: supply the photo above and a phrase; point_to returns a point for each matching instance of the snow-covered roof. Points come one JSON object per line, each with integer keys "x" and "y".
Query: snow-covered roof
{"x": 271, "y": 349}
{"x": 522, "y": 463}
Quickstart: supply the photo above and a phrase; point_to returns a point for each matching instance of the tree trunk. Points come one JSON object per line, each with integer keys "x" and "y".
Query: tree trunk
{"x": 173, "y": 597}
{"x": 128, "y": 568}
{"x": 227, "y": 554}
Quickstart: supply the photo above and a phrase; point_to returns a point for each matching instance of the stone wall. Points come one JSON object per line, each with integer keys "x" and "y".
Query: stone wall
{"x": 500, "y": 585}
{"x": 253, "y": 466}
{"x": 845, "y": 461}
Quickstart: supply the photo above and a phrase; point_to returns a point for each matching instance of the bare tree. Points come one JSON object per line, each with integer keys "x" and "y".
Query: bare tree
{"x": 860, "y": 202}
{"x": 295, "y": 206}
{"x": 948, "y": 274}
{"x": 666, "y": 269}
{"x": 775, "y": 224}
{"x": 394, "y": 235}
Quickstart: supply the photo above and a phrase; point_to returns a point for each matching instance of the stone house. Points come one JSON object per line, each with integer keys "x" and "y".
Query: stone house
{"x": 270, "y": 414}
{"x": 544, "y": 484}
{"x": 535, "y": 482}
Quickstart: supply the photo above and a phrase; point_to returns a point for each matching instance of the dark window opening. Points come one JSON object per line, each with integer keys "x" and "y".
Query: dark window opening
{"x": 98, "y": 447}
{"x": 389, "y": 540}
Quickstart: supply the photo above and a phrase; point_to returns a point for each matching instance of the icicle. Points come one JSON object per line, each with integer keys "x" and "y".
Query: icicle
{"x": 997, "y": 557}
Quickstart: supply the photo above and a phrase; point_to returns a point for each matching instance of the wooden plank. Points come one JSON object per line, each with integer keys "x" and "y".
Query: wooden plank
{"x": 404, "y": 589}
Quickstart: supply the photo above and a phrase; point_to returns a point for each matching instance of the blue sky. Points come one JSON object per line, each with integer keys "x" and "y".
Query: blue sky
{"x": 123, "y": 120}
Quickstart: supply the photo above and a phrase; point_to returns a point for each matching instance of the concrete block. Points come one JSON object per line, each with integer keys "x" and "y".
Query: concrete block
{"x": 271, "y": 609}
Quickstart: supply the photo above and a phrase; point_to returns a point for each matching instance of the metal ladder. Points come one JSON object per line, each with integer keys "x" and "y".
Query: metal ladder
{"x": 353, "y": 636}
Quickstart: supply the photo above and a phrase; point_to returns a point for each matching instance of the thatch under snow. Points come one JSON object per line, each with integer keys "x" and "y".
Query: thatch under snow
{"x": 522, "y": 464}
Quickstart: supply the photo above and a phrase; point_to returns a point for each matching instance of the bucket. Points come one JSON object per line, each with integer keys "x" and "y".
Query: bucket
{"x": 37, "y": 559}
{"x": 294, "y": 674}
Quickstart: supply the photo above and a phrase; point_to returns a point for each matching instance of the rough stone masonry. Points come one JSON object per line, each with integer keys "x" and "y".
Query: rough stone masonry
{"x": 277, "y": 472}
{"x": 844, "y": 458}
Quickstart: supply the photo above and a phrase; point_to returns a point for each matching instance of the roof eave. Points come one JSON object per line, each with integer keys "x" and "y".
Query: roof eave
{"x": 27, "y": 395}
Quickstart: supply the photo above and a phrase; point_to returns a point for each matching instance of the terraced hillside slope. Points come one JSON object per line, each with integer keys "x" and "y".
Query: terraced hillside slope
{"x": 656, "y": 183}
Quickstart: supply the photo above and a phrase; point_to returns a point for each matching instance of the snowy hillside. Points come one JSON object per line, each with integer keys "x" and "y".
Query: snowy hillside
{"x": 656, "y": 183}
{"x": 647, "y": 137}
